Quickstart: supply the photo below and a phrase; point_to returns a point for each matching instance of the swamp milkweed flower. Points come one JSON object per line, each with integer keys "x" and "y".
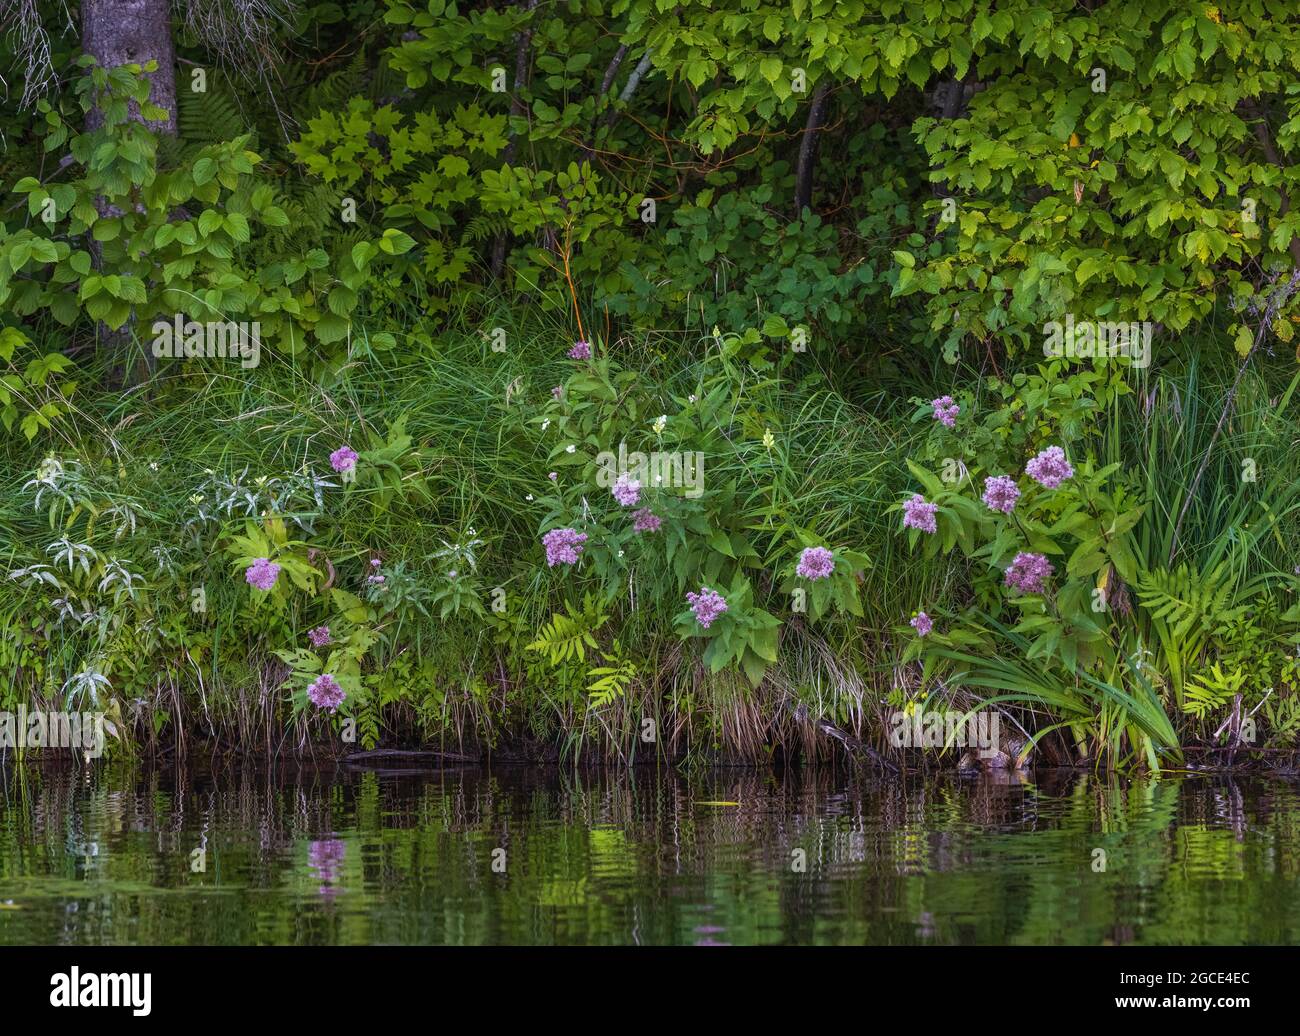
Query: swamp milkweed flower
{"x": 626, "y": 491}
{"x": 563, "y": 546}
{"x": 945, "y": 411}
{"x": 1029, "y": 573}
{"x": 815, "y": 563}
{"x": 1049, "y": 468}
{"x": 1001, "y": 493}
{"x": 707, "y": 606}
{"x": 343, "y": 459}
{"x": 918, "y": 513}
{"x": 645, "y": 520}
{"x": 262, "y": 573}
{"x": 325, "y": 692}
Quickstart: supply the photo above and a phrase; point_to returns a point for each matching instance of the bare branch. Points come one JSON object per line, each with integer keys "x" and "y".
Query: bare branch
{"x": 633, "y": 81}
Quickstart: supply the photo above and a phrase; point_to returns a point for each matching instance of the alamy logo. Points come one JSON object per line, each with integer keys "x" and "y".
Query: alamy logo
{"x": 214, "y": 338}
{"x": 73, "y": 989}
{"x": 1098, "y": 340}
{"x": 24, "y": 729}
{"x": 653, "y": 470}
{"x": 941, "y": 729}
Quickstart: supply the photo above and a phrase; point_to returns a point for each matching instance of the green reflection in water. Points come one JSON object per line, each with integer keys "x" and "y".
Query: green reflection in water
{"x": 357, "y": 858}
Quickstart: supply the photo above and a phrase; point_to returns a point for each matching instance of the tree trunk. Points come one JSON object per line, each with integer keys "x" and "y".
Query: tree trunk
{"x": 803, "y": 180}
{"x": 124, "y": 32}
{"x": 1254, "y": 109}
{"x": 949, "y": 99}
{"x": 523, "y": 41}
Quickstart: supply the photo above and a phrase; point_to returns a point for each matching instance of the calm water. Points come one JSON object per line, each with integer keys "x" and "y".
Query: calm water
{"x": 374, "y": 857}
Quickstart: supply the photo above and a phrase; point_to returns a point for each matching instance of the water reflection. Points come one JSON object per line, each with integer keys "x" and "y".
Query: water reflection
{"x": 326, "y": 859}
{"x": 471, "y": 856}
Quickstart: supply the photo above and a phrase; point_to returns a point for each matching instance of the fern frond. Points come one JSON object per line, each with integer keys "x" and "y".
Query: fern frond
{"x": 563, "y": 638}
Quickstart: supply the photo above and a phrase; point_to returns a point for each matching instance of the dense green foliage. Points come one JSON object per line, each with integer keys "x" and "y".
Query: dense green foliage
{"x": 487, "y": 248}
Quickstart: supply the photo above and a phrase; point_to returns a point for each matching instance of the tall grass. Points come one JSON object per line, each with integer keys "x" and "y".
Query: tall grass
{"x": 465, "y": 407}
{"x": 841, "y": 442}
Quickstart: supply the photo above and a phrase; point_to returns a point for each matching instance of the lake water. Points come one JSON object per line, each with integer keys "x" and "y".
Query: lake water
{"x": 539, "y": 856}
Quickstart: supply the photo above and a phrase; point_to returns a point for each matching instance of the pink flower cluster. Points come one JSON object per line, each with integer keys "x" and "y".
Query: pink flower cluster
{"x": 1029, "y": 573}
{"x": 707, "y": 606}
{"x": 326, "y": 861}
{"x": 580, "y": 351}
{"x": 626, "y": 491}
{"x": 945, "y": 411}
{"x": 563, "y": 546}
{"x": 922, "y": 623}
{"x": 1001, "y": 493}
{"x": 343, "y": 459}
{"x": 325, "y": 692}
{"x": 557, "y": 392}
{"x": 326, "y": 857}
{"x": 262, "y": 573}
{"x": 319, "y": 637}
{"x": 645, "y": 520}
{"x": 1049, "y": 468}
{"x": 918, "y": 513}
{"x": 815, "y": 563}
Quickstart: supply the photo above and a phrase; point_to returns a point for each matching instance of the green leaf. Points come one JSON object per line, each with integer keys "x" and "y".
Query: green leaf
{"x": 395, "y": 242}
